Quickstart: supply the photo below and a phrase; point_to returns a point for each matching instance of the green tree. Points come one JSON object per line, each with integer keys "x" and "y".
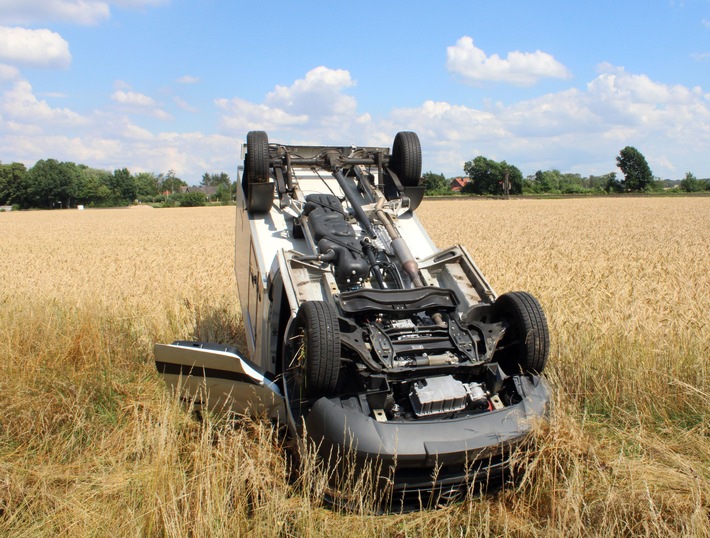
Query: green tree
{"x": 13, "y": 183}
{"x": 193, "y": 199}
{"x": 224, "y": 193}
{"x": 571, "y": 183}
{"x": 52, "y": 184}
{"x": 93, "y": 187}
{"x": 545, "y": 181}
{"x": 691, "y": 184}
{"x": 598, "y": 183}
{"x": 613, "y": 184}
{"x": 637, "y": 173}
{"x": 214, "y": 180}
{"x": 123, "y": 186}
{"x": 170, "y": 183}
{"x": 147, "y": 184}
{"x": 487, "y": 176}
{"x": 434, "y": 183}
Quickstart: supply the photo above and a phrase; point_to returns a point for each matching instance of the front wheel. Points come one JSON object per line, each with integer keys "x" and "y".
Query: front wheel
{"x": 526, "y": 344}
{"x": 313, "y": 353}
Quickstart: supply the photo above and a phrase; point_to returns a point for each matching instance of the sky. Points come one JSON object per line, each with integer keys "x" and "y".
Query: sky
{"x": 159, "y": 85}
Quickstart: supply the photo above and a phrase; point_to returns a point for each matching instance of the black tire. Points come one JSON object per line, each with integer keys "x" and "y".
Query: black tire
{"x": 526, "y": 344}
{"x": 316, "y": 343}
{"x": 258, "y": 191}
{"x": 406, "y": 158}
{"x": 256, "y": 162}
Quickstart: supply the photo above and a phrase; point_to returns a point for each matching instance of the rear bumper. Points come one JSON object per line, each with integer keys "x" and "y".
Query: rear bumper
{"x": 428, "y": 455}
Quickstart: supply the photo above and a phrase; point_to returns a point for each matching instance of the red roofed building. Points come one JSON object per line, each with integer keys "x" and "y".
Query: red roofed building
{"x": 459, "y": 183}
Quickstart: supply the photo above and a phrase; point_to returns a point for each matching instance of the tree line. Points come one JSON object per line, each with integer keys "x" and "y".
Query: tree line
{"x": 53, "y": 184}
{"x": 498, "y": 178}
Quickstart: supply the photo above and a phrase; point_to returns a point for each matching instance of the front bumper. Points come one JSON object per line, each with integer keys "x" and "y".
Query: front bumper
{"x": 428, "y": 455}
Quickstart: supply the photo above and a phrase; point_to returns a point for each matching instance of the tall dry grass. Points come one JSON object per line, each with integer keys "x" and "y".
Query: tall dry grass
{"x": 92, "y": 444}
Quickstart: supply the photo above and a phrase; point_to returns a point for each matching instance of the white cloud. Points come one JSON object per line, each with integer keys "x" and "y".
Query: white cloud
{"x": 318, "y": 95}
{"x": 572, "y": 130}
{"x": 577, "y": 130}
{"x": 23, "y": 129}
{"x": 184, "y": 105}
{"x": 54, "y": 95}
{"x": 85, "y": 150}
{"x": 8, "y": 72}
{"x": 115, "y": 142}
{"x": 36, "y": 48}
{"x": 22, "y": 106}
{"x": 242, "y": 116}
{"x": 132, "y": 98}
{"x": 314, "y": 105}
{"x": 188, "y": 79}
{"x": 139, "y": 103}
{"x": 138, "y": 3}
{"x": 445, "y": 121}
{"x": 43, "y": 11}
{"x": 519, "y": 68}
{"x": 160, "y": 114}
{"x": 128, "y": 130}
{"x": 83, "y": 12}
{"x": 121, "y": 85}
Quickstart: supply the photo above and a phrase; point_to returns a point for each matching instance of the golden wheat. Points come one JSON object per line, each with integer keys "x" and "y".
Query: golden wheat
{"x": 92, "y": 444}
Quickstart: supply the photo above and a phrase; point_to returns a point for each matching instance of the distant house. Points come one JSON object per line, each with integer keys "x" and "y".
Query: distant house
{"x": 459, "y": 183}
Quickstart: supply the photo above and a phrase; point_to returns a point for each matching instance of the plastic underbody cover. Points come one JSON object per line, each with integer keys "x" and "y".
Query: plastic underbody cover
{"x": 332, "y": 231}
{"x": 427, "y": 443}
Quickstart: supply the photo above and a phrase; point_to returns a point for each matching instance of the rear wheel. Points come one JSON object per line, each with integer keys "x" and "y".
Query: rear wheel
{"x": 256, "y": 163}
{"x": 314, "y": 354}
{"x": 259, "y": 196}
{"x": 526, "y": 344}
{"x": 406, "y": 159}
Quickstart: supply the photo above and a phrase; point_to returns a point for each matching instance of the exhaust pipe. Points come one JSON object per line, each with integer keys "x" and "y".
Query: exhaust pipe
{"x": 399, "y": 245}
{"x": 404, "y": 255}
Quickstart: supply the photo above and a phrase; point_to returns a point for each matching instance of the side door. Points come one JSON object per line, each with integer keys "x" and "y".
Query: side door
{"x": 218, "y": 378}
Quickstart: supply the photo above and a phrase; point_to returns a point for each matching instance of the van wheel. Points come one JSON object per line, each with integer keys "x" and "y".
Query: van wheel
{"x": 406, "y": 159}
{"x": 315, "y": 349}
{"x": 526, "y": 344}
{"x": 256, "y": 162}
{"x": 255, "y": 181}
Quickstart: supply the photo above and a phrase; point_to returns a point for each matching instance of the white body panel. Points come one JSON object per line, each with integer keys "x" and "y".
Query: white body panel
{"x": 219, "y": 379}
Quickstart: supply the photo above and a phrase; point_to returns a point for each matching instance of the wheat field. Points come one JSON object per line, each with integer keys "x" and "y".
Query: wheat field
{"x": 91, "y": 443}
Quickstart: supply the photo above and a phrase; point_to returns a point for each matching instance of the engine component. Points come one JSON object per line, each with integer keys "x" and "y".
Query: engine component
{"x": 437, "y": 395}
{"x": 477, "y": 394}
{"x": 428, "y": 360}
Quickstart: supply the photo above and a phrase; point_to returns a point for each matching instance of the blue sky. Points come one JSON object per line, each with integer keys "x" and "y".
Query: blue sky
{"x": 156, "y": 85}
